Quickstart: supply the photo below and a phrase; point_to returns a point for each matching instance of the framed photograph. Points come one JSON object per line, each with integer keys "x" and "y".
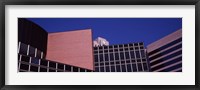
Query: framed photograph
{"x": 138, "y": 44}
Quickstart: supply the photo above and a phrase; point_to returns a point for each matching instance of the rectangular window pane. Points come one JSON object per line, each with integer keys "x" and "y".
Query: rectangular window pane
{"x": 128, "y": 67}
{"x": 116, "y": 56}
{"x": 35, "y": 60}
{"x": 75, "y": 69}
{"x": 121, "y": 55}
{"x": 96, "y": 58}
{"x": 118, "y": 68}
{"x": 96, "y": 69}
{"x": 102, "y": 69}
{"x": 139, "y": 67}
{"x": 112, "y": 68}
{"x": 123, "y": 68}
{"x": 34, "y": 68}
{"x": 24, "y": 67}
{"x": 52, "y": 70}
{"x": 43, "y": 69}
{"x": 106, "y": 57}
{"x": 82, "y": 70}
{"x": 52, "y": 64}
{"x": 38, "y": 53}
{"x": 43, "y": 62}
{"x": 107, "y": 69}
{"x": 143, "y": 53}
{"x": 134, "y": 67}
{"x": 101, "y": 57}
{"x": 132, "y": 54}
{"x": 145, "y": 66}
{"x": 111, "y": 57}
{"x": 127, "y": 55}
{"x": 23, "y": 49}
{"x": 137, "y": 54}
{"x": 60, "y": 66}
{"x": 25, "y": 59}
{"x": 31, "y": 51}
{"x": 67, "y": 68}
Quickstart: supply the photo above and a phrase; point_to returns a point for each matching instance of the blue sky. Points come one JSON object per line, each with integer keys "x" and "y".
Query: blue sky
{"x": 115, "y": 30}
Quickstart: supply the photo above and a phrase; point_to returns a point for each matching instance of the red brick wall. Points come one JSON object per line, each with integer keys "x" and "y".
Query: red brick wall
{"x": 71, "y": 47}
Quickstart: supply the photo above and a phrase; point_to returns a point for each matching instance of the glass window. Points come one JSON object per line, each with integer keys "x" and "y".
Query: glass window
{"x": 122, "y": 62}
{"x": 137, "y": 54}
{"x": 107, "y": 69}
{"x": 118, "y": 68}
{"x": 60, "y": 66}
{"x": 105, "y": 47}
{"x": 67, "y": 68}
{"x": 96, "y": 69}
{"x": 24, "y": 67}
{"x": 142, "y": 53}
{"x": 38, "y": 53}
{"x": 96, "y": 64}
{"x": 75, "y": 69}
{"x": 52, "y": 64}
{"x": 112, "y": 68}
{"x": 23, "y": 49}
{"x": 106, "y": 57}
{"x": 52, "y": 70}
{"x": 19, "y": 57}
{"x": 120, "y": 45}
{"x": 111, "y": 57}
{"x": 106, "y": 63}
{"x": 134, "y": 67}
{"x": 25, "y": 59}
{"x": 35, "y": 60}
{"x": 127, "y": 55}
{"x": 140, "y": 67}
{"x": 116, "y": 56}
{"x": 82, "y": 70}
{"x": 101, "y": 57}
{"x": 136, "y": 48}
{"x": 44, "y": 62}
{"x": 31, "y": 51}
{"x": 43, "y": 69}
{"x": 145, "y": 66}
{"x": 123, "y": 68}
{"x": 102, "y": 69}
{"x": 132, "y": 54}
{"x": 121, "y": 55}
{"x": 34, "y": 68}
{"x": 128, "y": 67}
{"x": 96, "y": 58}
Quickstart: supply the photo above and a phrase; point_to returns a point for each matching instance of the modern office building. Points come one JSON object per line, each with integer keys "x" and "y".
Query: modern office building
{"x": 165, "y": 55}
{"x": 121, "y": 58}
{"x": 33, "y": 50}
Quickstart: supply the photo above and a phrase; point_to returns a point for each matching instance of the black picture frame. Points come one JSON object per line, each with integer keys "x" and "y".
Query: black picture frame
{"x": 98, "y": 2}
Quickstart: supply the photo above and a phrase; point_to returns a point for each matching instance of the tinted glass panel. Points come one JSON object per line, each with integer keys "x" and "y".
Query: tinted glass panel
{"x": 128, "y": 67}
{"x": 31, "y": 51}
{"x": 60, "y": 66}
{"x": 82, "y": 70}
{"x": 52, "y": 70}
{"x": 145, "y": 66}
{"x": 75, "y": 69}
{"x": 121, "y": 55}
{"x": 127, "y": 55}
{"x": 123, "y": 68}
{"x": 34, "y": 68}
{"x": 143, "y": 53}
{"x": 111, "y": 57}
{"x": 52, "y": 64}
{"x": 25, "y": 59}
{"x": 96, "y": 69}
{"x": 23, "y": 49}
{"x": 38, "y": 54}
{"x": 43, "y": 69}
{"x": 44, "y": 62}
{"x": 112, "y": 68}
{"x": 116, "y": 56}
{"x": 102, "y": 69}
{"x": 35, "y": 60}
{"x": 106, "y": 57}
{"x": 118, "y": 68}
{"x": 67, "y": 68}
{"x": 139, "y": 67}
{"x": 24, "y": 67}
{"x": 137, "y": 54}
{"x": 134, "y": 67}
{"x": 107, "y": 69}
{"x": 132, "y": 54}
{"x": 96, "y": 58}
{"x": 101, "y": 57}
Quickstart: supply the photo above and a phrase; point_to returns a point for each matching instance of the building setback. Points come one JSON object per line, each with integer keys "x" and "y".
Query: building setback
{"x": 165, "y": 55}
{"x": 121, "y": 58}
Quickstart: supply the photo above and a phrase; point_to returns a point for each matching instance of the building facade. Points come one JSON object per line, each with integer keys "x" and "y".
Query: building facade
{"x": 121, "y": 58}
{"x": 165, "y": 55}
{"x": 32, "y": 51}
